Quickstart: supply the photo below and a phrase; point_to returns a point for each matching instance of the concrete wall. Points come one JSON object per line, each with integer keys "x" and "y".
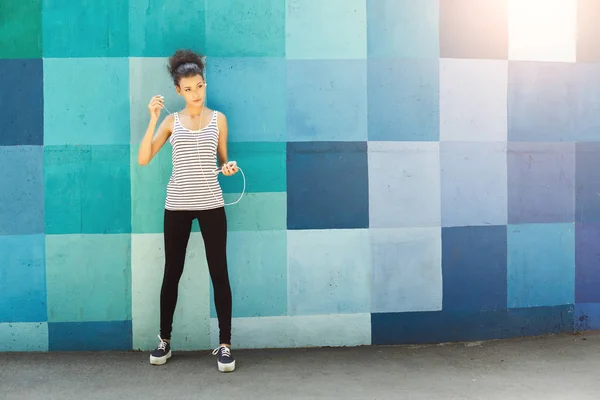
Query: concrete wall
{"x": 418, "y": 171}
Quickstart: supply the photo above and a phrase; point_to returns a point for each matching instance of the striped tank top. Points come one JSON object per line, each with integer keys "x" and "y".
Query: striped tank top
{"x": 193, "y": 184}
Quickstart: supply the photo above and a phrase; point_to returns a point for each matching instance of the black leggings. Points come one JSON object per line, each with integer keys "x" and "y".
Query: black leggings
{"x": 213, "y": 226}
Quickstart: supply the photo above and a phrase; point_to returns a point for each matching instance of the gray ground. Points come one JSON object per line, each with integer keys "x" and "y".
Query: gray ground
{"x": 556, "y": 367}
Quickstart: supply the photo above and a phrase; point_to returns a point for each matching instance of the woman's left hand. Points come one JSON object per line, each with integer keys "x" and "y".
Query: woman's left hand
{"x": 229, "y": 169}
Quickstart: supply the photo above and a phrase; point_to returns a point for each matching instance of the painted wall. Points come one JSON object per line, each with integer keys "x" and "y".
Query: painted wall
{"x": 418, "y": 171}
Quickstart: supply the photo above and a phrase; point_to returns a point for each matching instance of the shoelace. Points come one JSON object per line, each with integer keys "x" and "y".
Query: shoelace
{"x": 162, "y": 345}
{"x": 225, "y": 351}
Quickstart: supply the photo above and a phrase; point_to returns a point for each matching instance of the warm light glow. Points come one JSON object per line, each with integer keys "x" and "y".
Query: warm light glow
{"x": 542, "y": 30}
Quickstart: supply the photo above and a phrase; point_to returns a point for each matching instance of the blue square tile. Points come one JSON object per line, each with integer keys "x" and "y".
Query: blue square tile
{"x": 404, "y": 184}
{"x": 90, "y": 336}
{"x": 474, "y": 268}
{"x": 541, "y": 265}
{"x": 332, "y": 29}
{"x": 23, "y": 279}
{"x": 181, "y": 25}
{"x": 587, "y": 263}
{"x": 22, "y": 102}
{"x": 407, "y": 270}
{"x": 473, "y": 177}
{"x": 327, "y": 185}
{"x": 587, "y": 317}
{"x": 403, "y": 28}
{"x": 87, "y": 189}
{"x": 541, "y": 182}
{"x": 78, "y": 29}
{"x": 21, "y": 190}
{"x": 326, "y": 100}
{"x": 551, "y": 101}
{"x": 587, "y": 182}
{"x": 403, "y": 99}
{"x": 251, "y": 93}
{"x": 474, "y": 29}
{"x": 241, "y": 28}
{"x": 259, "y": 291}
{"x": 453, "y": 326}
{"x": 99, "y": 115}
{"x": 329, "y": 272}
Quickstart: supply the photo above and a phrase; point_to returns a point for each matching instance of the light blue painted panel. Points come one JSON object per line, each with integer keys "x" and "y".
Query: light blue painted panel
{"x": 407, "y": 270}
{"x": 329, "y": 271}
{"x": 326, "y": 100}
{"x": 404, "y": 184}
{"x": 251, "y": 92}
{"x": 474, "y": 190}
{"x": 24, "y": 336}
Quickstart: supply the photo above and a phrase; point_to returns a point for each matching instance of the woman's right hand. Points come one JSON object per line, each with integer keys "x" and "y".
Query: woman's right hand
{"x": 155, "y": 105}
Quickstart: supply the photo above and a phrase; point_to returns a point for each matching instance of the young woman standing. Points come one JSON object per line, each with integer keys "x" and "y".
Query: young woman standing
{"x": 198, "y": 137}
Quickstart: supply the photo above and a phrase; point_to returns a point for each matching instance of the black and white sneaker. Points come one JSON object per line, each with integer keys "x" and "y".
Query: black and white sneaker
{"x": 161, "y": 354}
{"x": 225, "y": 360}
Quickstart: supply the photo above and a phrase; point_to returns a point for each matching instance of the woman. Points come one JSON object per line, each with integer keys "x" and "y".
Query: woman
{"x": 198, "y": 137}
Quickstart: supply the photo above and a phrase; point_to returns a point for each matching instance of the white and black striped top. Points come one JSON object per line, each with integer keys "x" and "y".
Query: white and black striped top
{"x": 193, "y": 184}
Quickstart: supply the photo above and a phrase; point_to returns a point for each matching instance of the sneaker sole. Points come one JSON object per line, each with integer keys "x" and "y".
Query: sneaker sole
{"x": 229, "y": 367}
{"x": 159, "y": 360}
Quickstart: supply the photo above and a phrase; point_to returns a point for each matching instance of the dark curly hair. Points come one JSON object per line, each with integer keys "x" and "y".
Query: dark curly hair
{"x": 185, "y": 63}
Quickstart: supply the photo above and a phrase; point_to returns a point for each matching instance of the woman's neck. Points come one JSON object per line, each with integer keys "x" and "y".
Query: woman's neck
{"x": 194, "y": 111}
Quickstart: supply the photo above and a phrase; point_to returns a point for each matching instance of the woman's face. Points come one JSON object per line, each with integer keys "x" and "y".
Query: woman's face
{"x": 193, "y": 89}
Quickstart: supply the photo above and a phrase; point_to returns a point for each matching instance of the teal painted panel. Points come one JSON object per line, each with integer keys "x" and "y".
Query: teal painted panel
{"x": 86, "y": 101}
{"x": 256, "y": 211}
{"x": 257, "y": 272}
{"x": 332, "y": 29}
{"x": 329, "y": 272}
{"x": 24, "y": 336}
{"x": 80, "y": 28}
{"x": 158, "y": 28}
{"x": 148, "y": 78}
{"x": 541, "y": 265}
{"x": 191, "y": 321}
{"x": 87, "y": 189}
{"x": 149, "y": 191}
{"x": 21, "y": 29}
{"x": 88, "y": 277}
{"x": 263, "y": 163}
{"x": 241, "y": 28}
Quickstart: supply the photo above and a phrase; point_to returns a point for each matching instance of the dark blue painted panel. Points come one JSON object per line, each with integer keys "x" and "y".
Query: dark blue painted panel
{"x": 90, "y": 336}
{"x": 403, "y": 99}
{"x": 553, "y": 101}
{"x": 327, "y": 185}
{"x": 587, "y": 182}
{"x": 326, "y": 100}
{"x": 22, "y": 102}
{"x": 22, "y": 278}
{"x": 21, "y": 190}
{"x": 587, "y": 263}
{"x": 541, "y": 182}
{"x": 474, "y": 268}
{"x": 452, "y": 326}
